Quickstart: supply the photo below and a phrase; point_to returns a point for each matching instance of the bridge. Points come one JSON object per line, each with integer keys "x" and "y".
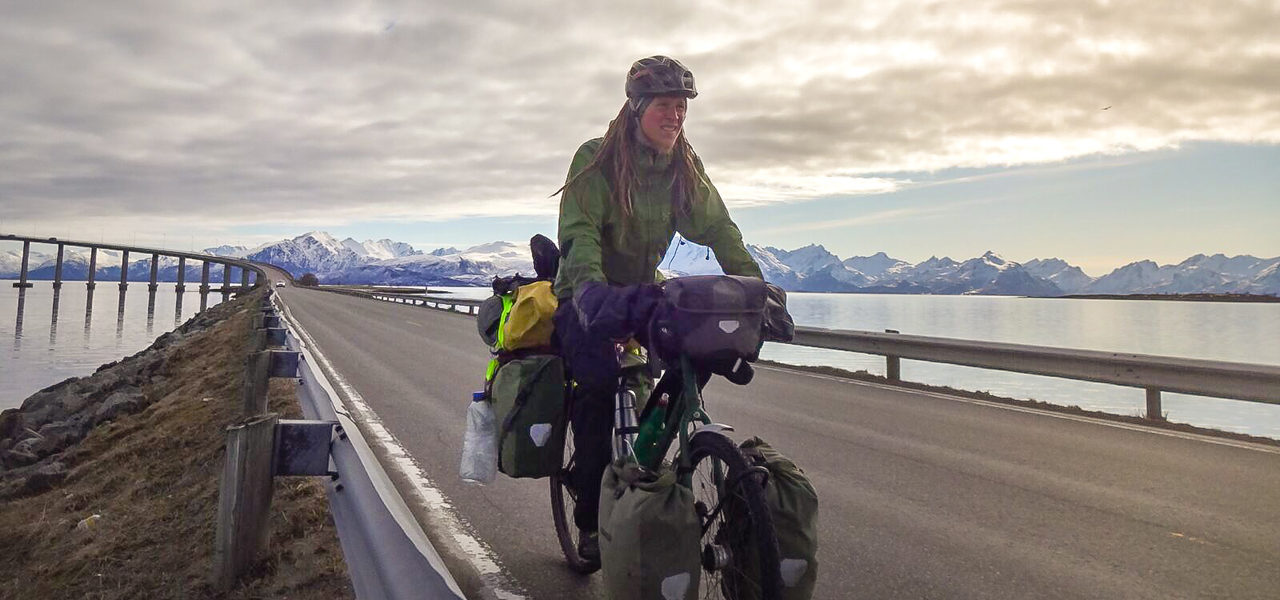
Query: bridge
{"x": 924, "y": 494}
{"x": 248, "y": 275}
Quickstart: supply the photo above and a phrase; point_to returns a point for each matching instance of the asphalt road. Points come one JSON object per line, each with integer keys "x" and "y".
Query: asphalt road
{"x": 922, "y": 495}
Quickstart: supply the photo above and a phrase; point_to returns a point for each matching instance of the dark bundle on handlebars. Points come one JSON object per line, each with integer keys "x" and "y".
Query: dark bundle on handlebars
{"x": 718, "y": 321}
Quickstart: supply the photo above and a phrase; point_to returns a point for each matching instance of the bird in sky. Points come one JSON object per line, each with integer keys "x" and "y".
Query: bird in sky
{"x": 1106, "y": 107}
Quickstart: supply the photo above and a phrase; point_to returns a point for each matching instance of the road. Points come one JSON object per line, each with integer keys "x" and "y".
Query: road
{"x": 922, "y": 495}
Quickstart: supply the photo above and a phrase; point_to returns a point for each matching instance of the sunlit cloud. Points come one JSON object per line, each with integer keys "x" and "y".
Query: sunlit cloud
{"x": 244, "y": 113}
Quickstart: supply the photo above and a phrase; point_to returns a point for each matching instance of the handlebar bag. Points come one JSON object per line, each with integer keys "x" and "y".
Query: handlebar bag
{"x": 650, "y": 535}
{"x": 528, "y": 399}
{"x": 710, "y": 318}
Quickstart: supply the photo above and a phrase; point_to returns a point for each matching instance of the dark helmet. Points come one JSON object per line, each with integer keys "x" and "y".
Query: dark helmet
{"x": 658, "y": 75}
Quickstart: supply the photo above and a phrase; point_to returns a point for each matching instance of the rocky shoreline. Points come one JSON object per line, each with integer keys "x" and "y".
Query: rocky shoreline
{"x": 34, "y": 436}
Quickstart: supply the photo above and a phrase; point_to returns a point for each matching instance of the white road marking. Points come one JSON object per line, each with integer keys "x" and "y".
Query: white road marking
{"x": 479, "y": 554}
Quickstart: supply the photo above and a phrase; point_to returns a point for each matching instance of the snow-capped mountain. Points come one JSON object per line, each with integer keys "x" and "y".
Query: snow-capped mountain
{"x": 1068, "y": 278}
{"x": 809, "y": 268}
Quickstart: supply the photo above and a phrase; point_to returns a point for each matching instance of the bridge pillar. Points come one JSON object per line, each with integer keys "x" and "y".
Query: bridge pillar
{"x": 155, "y": 266}
{"x": 57, "y": 269}
{"x": 93, "y": 267}
{"x": 26, "y": 256}
{"x": 204, "y": 277}
{"x": 124, "y": 270}
{"x": 182, "y": 274}
{"x": 226, "y": 277}
{"x": 244, "y": 277}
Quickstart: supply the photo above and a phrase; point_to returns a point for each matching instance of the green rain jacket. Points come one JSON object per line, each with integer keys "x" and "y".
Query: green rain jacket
{"x": 596, "y": 246}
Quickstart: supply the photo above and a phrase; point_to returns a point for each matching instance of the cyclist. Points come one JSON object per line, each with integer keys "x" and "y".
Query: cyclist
{"x": 626, "y": 195}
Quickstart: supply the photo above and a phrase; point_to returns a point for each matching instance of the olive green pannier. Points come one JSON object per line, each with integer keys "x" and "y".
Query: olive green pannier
{"x": 528, "y": 399}
{"x": 650, "y": 535}
{"x": 793, "y": 504}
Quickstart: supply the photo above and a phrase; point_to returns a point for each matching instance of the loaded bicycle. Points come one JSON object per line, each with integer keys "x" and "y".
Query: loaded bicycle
{"x": 739, "y": 555}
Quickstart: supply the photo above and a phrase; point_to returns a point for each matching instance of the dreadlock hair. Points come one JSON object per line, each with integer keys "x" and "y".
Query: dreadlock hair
{"x": 613, "y": 160}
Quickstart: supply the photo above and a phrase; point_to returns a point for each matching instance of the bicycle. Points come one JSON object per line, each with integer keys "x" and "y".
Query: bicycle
{"x": 740, "y": 551}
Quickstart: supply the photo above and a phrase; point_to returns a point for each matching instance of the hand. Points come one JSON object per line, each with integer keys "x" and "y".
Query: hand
{"x": 778, "y": 326}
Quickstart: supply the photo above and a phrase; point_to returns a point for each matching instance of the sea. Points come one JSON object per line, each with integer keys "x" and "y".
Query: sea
{"x": 53, "y": 340}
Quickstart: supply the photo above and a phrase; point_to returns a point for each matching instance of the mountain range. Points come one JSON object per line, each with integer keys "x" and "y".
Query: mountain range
{"x": 811, "y": 269}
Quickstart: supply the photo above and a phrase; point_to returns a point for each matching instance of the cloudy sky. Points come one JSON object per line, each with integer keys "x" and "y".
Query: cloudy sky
{"x": 1098, "y": 132}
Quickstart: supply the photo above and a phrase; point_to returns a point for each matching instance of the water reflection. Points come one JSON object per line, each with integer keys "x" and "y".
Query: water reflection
{"x": 88, "y": 313}
{"x": 177, "y": 311}
{"x": 17, "y": 328}
{"x": 53, "y": 320}
{"x": 151, "y": 311}
{"x": 120, "y": 317}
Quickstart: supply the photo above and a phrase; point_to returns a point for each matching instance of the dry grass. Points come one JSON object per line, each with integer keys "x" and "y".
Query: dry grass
{"x": 153, "y": 478}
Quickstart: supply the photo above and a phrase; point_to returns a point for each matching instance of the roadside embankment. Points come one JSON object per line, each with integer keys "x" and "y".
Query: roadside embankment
{"x": 109, "y": 483}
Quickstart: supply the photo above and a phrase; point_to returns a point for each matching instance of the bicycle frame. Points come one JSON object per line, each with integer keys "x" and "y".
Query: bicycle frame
{"x": 660, "y": 428}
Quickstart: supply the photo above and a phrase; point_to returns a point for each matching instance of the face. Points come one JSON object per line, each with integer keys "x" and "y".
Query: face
{"x": 662, "y": 121}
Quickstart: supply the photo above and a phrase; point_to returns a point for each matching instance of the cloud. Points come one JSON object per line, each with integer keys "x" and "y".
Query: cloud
{"x": 285, "y": 112}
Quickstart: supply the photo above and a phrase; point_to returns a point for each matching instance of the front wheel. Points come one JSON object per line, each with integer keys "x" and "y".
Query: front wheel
{"x": 739, "y": 548}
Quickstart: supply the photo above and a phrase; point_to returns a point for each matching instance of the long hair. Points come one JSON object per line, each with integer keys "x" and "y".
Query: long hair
{"x": 613, "y": 160}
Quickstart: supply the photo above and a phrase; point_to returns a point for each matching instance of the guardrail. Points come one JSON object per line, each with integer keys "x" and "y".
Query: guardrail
{"x": 1155, "y": 374}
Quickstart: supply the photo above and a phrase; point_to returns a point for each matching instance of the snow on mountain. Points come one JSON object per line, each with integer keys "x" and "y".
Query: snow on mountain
{"x": 477, "y": 265}
{"x": 1243, "y": 266}
{"x": 773, "y": 269}
{"x": 444, "y": 251}
{"x": 1267, "y": 281}
{"x": 225, "y": 250}
{"x": 806, "y": 260}
{"x": 877, "y": 266}
{"x": 1143, "y": 274}
{"x": 1068, "y": 278}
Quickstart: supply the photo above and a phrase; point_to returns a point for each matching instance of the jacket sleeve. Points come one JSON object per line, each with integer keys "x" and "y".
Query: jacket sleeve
{"x": 710, "y": 225}
{"x": 582, "y": 217}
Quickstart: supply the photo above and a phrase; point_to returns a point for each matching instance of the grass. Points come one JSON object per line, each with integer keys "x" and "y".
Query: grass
{"x": 153, "y": 479}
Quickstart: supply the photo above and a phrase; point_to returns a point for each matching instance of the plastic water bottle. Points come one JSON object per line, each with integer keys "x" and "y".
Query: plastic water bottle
{"x": 624, "y": 424}
{"x": 480, "y": 442}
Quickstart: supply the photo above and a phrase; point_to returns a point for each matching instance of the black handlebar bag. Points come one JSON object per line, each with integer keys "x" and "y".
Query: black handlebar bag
{"x": 713, "y": 319}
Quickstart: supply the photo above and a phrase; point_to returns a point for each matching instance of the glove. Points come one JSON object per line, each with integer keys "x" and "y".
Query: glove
{"x": 615, "y": 312}
{"x": 778, "y": 326}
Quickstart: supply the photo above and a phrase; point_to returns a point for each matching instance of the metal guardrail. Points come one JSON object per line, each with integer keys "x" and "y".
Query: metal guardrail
{"x": 388, "y": 554}
{"x": 1155, "y": 374}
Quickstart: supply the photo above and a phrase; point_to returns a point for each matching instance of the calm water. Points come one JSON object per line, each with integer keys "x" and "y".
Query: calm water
{"x": 45, "y": 349}
{"x": 43, "y": 342}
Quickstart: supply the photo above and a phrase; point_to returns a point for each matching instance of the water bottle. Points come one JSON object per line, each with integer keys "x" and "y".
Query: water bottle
{"x": 480, "y": 442}
{"x": 624, "y": 424}
{"x": 651, "y": 429}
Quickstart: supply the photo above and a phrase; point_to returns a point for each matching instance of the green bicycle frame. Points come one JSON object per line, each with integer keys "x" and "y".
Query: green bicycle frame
{"x": 661, "y": 427}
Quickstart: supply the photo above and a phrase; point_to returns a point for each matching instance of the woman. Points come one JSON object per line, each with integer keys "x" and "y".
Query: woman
{"x": 627, "y": 194}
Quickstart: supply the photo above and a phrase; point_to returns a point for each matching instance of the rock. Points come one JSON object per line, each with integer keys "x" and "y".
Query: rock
{"x": 125, "y": 401}
{"x": 11, "y": 424}
{"x": 18, "y": 458}
{"x": 44, "y": 477}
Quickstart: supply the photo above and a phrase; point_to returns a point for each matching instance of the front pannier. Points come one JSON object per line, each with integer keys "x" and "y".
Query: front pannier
{"x": 650, "y": 535}
{"x": 710, "y": 318}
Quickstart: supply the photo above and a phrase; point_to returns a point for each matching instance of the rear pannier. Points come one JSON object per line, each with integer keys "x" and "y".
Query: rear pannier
{"x": 528, "y": 401}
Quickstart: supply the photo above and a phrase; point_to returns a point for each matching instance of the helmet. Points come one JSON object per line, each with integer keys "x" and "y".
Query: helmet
{"x": 658, "y": 75}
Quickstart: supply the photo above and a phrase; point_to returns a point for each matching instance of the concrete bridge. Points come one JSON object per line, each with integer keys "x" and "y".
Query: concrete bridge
{"x": 247, "y": 274}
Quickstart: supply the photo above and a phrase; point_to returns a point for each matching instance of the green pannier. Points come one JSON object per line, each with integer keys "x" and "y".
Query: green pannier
{"x": 650, "y": 536}
{"x": 528, "y": 400}
{"x": 793, "y": 504}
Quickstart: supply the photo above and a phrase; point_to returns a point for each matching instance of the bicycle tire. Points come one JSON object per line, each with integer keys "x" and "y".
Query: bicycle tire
{"x": 563, "y": 501}
{"x": 742, "y": 526}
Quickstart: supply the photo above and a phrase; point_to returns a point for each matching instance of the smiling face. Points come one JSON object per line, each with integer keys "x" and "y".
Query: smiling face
{"x": 662, "y": 121}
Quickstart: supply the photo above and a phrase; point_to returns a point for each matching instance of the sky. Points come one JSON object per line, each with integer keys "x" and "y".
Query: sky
{"x": 1097, "y": 132}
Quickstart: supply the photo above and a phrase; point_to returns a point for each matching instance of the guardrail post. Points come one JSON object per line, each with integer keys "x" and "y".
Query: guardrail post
{"x": 892, "y": 364}
{"x": 1154, "y": 412}
{"x": 244, "y": 498}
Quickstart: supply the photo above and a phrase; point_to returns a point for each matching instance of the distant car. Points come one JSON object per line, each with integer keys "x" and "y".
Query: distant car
{"x": 279, "y": 284}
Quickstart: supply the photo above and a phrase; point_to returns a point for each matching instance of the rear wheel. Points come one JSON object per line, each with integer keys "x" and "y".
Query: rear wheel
{"x": 739, "y": 547}
{"x": 563, "y": 500}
